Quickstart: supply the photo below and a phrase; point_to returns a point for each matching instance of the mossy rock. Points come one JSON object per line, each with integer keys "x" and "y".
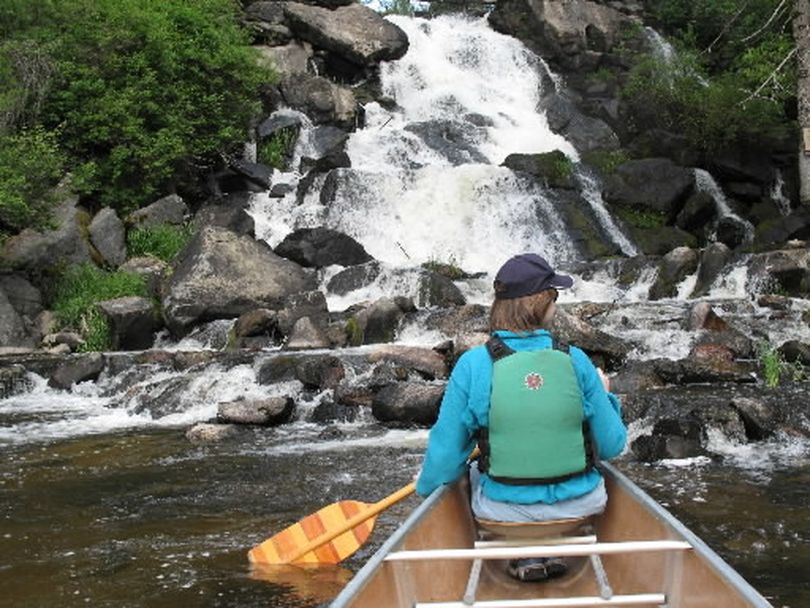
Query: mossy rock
{"x": 354, "y": 332}
{"x": 555, "y": 169}
{"x": 589, "y": 240}
{"x": 661, "y": 240}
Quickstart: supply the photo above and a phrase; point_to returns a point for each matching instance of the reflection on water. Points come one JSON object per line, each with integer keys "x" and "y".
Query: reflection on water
{"x": 147, "y": 519}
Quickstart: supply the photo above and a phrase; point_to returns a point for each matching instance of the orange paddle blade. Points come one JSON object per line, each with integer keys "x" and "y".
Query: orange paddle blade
{"x": 327, "y": 536}
{"x": 284, "y": 546}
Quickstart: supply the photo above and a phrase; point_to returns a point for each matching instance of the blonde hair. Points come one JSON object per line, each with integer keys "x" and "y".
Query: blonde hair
{"x": 522, "y": 314}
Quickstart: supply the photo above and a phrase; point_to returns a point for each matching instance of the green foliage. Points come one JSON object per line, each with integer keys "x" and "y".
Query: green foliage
{"x": 606, "y": 161}
{"x": 641, "y": 218}
{"x": 163, "y": 241}
{"x": 398, "y": 7}
{"x": 730, "y": 79}
{"x": 76, "y": 293}
{"x": 142, "y": 87}
{"x": 449, "y": 269}
{"x": 354, "y": 332}
{"x": 276, "y": 150}
{"x": 771, "y": 362}
{"x": 30, "y": 164}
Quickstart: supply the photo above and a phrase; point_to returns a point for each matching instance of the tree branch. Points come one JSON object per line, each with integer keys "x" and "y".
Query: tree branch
{"x": 726, "y": 27}
{"x": 770, "y": 76}
{"x": 767, "y": 23}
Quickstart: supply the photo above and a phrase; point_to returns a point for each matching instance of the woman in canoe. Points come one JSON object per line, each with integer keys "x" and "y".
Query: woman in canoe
{"x": 540, "y": 412}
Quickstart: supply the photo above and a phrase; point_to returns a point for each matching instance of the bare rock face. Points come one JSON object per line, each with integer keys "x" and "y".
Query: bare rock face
{"x": 109, "y": 237}
{"x": 354, "y": 32}
{"x": 221, "y": 275}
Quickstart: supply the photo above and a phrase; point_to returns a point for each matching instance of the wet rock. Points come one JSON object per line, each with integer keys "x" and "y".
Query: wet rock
{"x": 703, "y": 316}
{"x": 256, "y": 173}
{"x": 608, "y": 351}
{"x": 774, "y": 302}
{"x": 757, "y": 416}
{"x": 257, "y": 322}
{"x": 376, "y": 323}
{"x": 353, "y": 394}
{"x": 262, "y": 412}
{"x": 713, "y": 259}
{"x": 661, "y": 445}
{"x": 437, "y": 290}
{"x": 309, "y": 304}
{"x": 733, "y": 231}
{"x": 170, "y": 209}
{"x": 279, "y": 368}
{"x": 353, "y": 278}
{"x": 456, "y": 141}
{"x": 329, "y": 411}
{"x": 697, "y": 214}
{"x": 14, "y": 380}
{"x": 407, "y": 403}
{"x": 653, "y": 184}
{"x": 68, "y": 338}
{"x": 673, "y": 269}
{"x": 319, "y": 247}
{"x": 321, "y": 100}
{"x": 22, "y": 295}
{"x": 205, "y": 432}
{"x": 13, "y": 331}
{"x": 427, "y": 362}
{"x": 133, "y": 322}
{"x": 108, "y": 235}
{"x": 786, "y": 271}
{"x": 554, "y": 169}
{"x": 306, "y": 335}
{"x": 320, "y": 372}
{"x": 703, "y": 370}
{"x": 795, "y": 351}
{"x": 782, "y": 229}
{"x": 75, "y": 369}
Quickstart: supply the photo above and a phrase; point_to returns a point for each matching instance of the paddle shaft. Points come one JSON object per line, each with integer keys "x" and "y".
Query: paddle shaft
{"x": 358, "y": 519}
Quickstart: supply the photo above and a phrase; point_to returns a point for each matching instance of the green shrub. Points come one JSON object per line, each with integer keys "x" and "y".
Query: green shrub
{"x": 163, "y": 241}
{"x": 30, "y": 165}
{"x": 142, "y": 88}
{"x": 276, "y": 150}
{"x": 76, "y": 292}
{"x": 607, "y": 161}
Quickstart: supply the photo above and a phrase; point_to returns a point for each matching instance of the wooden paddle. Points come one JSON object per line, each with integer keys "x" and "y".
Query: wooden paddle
{"x": 327, "y": 536}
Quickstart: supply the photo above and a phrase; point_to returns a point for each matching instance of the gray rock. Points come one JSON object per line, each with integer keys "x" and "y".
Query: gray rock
{"x": 263, "y": 412}
{"x": 355, "y": 32}
{"x": 258, "y": 322}
{"x": 674, "y": 268}
{"x": 655, "y": 184}
{"x": 133, "y": 322}
{"x": 354, "y": 277}
{"x": 221, "y": 274}
{"x": 170, "y": 209}
{"x": 321, "y": 100}
{"x": 786, "y": 271}
{"x": 437, "y": 290}
{"x": 310, "y": 304}
{"x": 12, "y": 327}
{"x": 320, "y": 372}
{"x": 408, "y": 403}
{"x": 152, "y": 269}
{"x": 14, "y": 380}
{"x": 108, "y": 235}
{"x": 289, "y": 59}
{"x": 75, "y": 369}
{"x": 320, "y": 247}
{"x": 427, "y": 362}
{"x": 455, "y": 140}
{"x": 306, "y": 335}
{"x": 22, "y": 295}
{"x": 205, "y": 432}
{"x": 713, "y": 259}
{"x": 757, "y": 415}
{"x": 608, "y": 350}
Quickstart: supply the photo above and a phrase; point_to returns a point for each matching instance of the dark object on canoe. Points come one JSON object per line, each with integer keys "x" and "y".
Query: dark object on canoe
{"x": 640, "y": 555}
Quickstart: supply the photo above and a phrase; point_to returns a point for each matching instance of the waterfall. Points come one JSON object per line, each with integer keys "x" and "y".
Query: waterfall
{"x": 425, "y": 182}
{"x": 706, "y": 183}
{"x": 778, "y": 194}
{"x": 592, "y": 192}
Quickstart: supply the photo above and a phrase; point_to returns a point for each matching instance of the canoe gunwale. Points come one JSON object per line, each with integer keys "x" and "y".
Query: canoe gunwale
{"x": 366, "y": 572}
{"x": 712, "y": 559}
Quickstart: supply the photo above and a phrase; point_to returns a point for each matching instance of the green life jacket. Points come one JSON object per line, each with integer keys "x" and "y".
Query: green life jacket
{"x": 537, "y": 430}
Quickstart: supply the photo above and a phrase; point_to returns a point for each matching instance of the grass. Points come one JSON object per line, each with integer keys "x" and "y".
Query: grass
{"x": 449, "y": 269}
{"x": 163, "y": 241}
{"x": 75, "y": 295}
{"x": 276, "y": 150}
{"x": 771, "y": 361}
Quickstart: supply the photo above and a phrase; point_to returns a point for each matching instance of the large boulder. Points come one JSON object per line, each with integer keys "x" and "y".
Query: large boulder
{"x": 650, "y": 184}
{"x": 133, "y": 321}
{"x": 108, "y": 235}
{"x": 713, "y": 259}
{"x": 319, "y": 247}
{"x": 674, "y": 268}
{"x": 408, "y": 403}
{"x": 220, "y": 275}
{"x": 66, "y": 244}
{"x": 355, "y": 32}
{"x": 321, "y": 100}
{"x": 13, "y": 331}
{"x": 608, "y": 350}
{"x": 170, "y": 209}
{"x": 572, "y": 34}
{"x": 786, "y": 271}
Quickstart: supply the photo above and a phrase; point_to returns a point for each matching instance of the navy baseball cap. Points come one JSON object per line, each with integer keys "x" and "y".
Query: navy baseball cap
{"x": 525, "y": 274}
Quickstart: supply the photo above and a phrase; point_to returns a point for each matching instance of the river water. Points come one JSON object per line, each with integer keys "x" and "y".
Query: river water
{"x": 143, "y": 518}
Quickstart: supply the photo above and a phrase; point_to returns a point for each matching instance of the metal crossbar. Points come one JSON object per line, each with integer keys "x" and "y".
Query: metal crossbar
{"x": 572, "y": 550}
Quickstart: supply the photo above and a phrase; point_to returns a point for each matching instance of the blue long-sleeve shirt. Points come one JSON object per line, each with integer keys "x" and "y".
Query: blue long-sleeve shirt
{"x": 465, "y": 409}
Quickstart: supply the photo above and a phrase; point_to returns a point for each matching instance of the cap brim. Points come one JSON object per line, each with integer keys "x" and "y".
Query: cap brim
{"x": 561, "y": 281}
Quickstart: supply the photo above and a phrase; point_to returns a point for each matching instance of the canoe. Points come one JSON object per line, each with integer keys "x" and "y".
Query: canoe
{"x": 635, "y": 554}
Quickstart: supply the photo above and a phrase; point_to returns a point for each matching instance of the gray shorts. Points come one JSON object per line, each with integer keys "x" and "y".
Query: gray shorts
{"x": 592, "y": 503}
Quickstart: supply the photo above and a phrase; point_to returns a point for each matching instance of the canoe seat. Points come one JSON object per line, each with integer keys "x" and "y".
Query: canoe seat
{"x": 489, "y": 529}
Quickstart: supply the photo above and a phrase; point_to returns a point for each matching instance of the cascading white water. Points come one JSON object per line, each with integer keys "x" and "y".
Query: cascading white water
{"x": 706, "y": 183}
{"x": 407, "y": 201}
